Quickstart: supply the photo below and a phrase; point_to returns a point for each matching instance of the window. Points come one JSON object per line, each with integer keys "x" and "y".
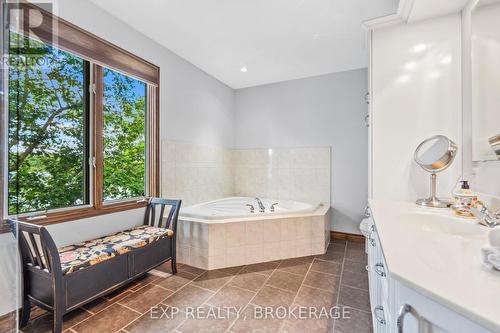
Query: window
{"x": 47, "y": 136}
{"x": 82, "y": 126}
{"x": 124, "y": 136}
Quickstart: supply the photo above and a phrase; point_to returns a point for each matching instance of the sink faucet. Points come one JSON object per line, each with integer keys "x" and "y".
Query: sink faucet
{"x": 262, "y": 208}
{"x": 485, "y": 216}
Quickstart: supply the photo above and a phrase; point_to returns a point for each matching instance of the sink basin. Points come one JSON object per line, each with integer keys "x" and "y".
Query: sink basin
{"x": 442, "y": 225}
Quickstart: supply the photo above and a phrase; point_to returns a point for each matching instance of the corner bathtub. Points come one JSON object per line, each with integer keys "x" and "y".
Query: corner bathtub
{"x": 236, "y": 207}
{"x": 224, "y": 233}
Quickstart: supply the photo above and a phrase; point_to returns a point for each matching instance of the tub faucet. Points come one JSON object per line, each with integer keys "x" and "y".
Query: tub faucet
{"x": 262, "y": 208}
{"x": 485, "y": 216}
{"x": 252, "y": 209}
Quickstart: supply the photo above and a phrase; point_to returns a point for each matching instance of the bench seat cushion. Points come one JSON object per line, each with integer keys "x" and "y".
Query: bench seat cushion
{"x": 77, "y": 256}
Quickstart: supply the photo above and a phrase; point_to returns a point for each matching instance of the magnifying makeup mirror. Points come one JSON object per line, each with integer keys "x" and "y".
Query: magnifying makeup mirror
{"x": 495, "y": 145}
{"x": 435, "y": 155}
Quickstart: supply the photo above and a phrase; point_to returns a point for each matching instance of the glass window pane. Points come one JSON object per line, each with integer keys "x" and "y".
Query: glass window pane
{"x": 47, "y": 139}
{"x": 124, "y": 136}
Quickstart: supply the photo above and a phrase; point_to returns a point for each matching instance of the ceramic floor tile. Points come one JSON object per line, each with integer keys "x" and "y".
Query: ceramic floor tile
{"x": 44, "y": 323}
{"x": 190, "y": 269}
{"x": 265, "y": 268}
{"x": 212, "y": 280}
{"x": 356, "y": 321}
{"x": 335, "y": 254}
{"x": 313, "y": 297}
{"x": 310, "y": 325}
{"x": 230, "y": 296}
{"x": 249, "y": 280}
{"x": 355, "y": 267}
{"x": 208, "y": 325}
{"x": 144, "y": 281}
{"x": 356, "y": 252}
{"x": 188, "y": 296}
{"x": 354, "y": 297}
{"x": 323, "y": 281}
{"x": 159, "y": 319}
{"x": 104, "y": 302}
{"x": 294, "y": 266}
{"x": 273, "y": 297}
{"x": 174, "y": 282}
{"x": 253, "y": 320}
{"x": 113, "y": 319}
{"x": 143, "y": 299}
{"x": 355, "y": 280}
{"x": 286, "y": 281}
{"x": 327, "y": 267}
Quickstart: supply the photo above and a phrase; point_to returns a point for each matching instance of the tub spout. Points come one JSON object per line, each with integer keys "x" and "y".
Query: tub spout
{"x": 262, "y": 208}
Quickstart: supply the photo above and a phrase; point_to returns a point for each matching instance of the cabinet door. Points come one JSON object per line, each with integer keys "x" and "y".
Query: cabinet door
{"x": 422, "y": 314}
{"x": 377, "y": 285}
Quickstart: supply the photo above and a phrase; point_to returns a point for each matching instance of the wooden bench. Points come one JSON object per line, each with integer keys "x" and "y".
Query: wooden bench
{"x": 60, "y": 280}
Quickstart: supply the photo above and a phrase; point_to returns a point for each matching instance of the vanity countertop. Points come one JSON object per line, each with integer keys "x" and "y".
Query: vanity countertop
{"x": 438, "y": 255}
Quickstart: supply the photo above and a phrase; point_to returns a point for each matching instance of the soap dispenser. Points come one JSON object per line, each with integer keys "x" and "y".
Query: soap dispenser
{"x": 463, "y": 198}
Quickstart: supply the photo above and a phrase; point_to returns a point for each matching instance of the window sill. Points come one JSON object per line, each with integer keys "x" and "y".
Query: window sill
{"x": 85, "y": 212}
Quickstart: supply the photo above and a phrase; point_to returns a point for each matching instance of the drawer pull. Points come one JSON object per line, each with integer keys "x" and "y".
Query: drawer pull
{"x": 405, "y": 308}
{"x": 370, "y": 238}
{"x": 380, "y": 269}
{"x": 379, "y": 314}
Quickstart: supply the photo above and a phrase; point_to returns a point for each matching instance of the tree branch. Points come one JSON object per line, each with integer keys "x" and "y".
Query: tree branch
{"x": 41, "y": 133}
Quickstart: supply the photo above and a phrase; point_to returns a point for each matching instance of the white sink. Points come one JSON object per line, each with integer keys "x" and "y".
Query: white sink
{"x": 444, "y": 225}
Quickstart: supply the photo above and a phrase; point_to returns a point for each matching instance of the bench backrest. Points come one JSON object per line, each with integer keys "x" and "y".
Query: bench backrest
{"x": 38, "y": 250}
{"x": 157, "y": 220}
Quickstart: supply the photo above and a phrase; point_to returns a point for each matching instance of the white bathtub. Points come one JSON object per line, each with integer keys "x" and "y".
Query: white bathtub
{"x": 236, "y": 207}
{"x": 223, "y": 233}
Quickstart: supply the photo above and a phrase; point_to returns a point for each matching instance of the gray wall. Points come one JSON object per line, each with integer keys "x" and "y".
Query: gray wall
{"x": 325, "y": 110}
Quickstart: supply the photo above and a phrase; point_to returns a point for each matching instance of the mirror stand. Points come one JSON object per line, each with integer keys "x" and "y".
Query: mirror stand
{"x": 433, "y": 200}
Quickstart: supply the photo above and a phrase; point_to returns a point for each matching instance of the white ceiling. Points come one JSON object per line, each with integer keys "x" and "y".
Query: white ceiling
{"x": 276, "y": 40}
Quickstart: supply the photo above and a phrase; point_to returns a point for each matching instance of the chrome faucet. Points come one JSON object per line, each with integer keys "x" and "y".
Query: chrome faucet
{"x": 262, "y": 208}
{"x": 485, "y": 216}
{"x": 252, "y": 209}
{"x": 272, "y": 206}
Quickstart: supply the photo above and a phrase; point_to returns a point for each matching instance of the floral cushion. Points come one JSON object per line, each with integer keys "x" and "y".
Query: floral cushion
{"x": 77, "y": 256}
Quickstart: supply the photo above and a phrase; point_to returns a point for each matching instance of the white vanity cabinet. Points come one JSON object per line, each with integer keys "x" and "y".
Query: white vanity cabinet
{"x": 378, "y": 281}
{"x": 391, "y": 298}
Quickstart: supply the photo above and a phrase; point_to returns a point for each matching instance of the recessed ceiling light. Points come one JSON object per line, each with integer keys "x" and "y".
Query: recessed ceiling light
{"x": 419, "y": 48}
{"x": 410, "y": 65}
{"x": 244, "y": 69}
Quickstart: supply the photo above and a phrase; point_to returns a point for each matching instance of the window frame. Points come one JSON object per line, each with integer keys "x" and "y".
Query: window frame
{"x": 102, "y": 54}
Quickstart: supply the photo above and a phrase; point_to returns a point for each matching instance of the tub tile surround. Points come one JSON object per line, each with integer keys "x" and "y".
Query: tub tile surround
{"x": 249, "y": 241}
{"x": 198, "y": 174}
{"x": 195, "y": 173}
{"x": 301, "y": 174}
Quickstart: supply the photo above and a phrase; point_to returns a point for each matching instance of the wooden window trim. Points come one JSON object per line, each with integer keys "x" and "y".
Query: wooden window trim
{"x": 101, "y": 53}
{"x": 84, "y": 44}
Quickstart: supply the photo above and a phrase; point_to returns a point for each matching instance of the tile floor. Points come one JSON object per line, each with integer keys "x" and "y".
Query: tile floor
{"x": 337, "y": 278}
